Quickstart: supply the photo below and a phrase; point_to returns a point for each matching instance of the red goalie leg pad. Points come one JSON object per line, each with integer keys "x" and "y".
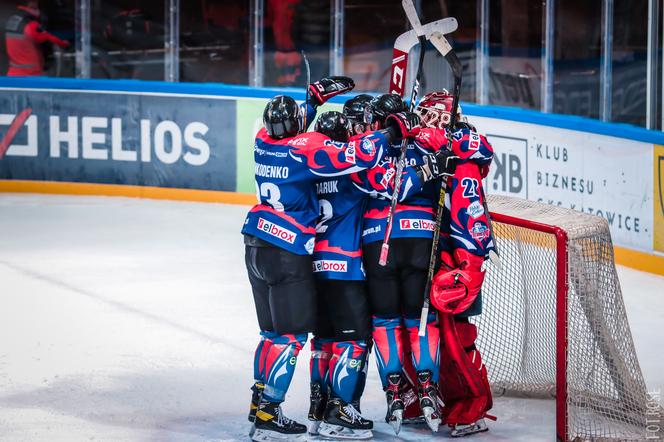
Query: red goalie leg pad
{"x": 464, "y": 385}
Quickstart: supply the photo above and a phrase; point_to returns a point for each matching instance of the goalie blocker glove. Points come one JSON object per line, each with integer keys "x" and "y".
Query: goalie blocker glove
{"x": 326, "y": 88}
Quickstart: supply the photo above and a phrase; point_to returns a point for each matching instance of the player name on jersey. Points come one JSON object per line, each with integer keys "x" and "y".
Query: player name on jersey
{"x": 271, "y": 171}
{"x": 327, "y": 187}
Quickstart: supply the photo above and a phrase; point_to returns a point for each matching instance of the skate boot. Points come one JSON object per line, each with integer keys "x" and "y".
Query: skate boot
{"x": 395, "y": 405}
{"x": 318, "y": 401}
{"x": 272, "y": 425}
{"x": 427, "y": 391}
{"x": 257, "y": 393}
{"x": 343, "y": 421}
{"x": 461, "y": 430}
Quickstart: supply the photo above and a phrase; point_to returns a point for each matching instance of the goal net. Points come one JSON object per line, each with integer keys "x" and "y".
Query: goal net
{"x": 554, "y": 322}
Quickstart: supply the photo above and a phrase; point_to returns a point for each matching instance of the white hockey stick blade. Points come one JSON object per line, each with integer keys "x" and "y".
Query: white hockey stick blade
{"x": 423, "y": 321}
{"x": 408, "y": 39}
{"x": 413, "y": 18}
{"x": 441, "y": 44}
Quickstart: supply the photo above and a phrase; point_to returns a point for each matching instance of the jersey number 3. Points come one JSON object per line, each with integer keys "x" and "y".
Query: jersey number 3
{"x": 272, "y": 194}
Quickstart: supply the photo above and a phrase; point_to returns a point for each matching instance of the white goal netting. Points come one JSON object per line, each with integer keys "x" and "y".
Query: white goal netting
{"x": 528, "y": 339}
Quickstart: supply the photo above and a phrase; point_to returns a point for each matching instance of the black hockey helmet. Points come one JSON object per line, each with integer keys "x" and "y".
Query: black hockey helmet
{"x": 282, "y": 117}
{"x": 380, "y": 107}
{"x": 354, "y": 108}
{"x": 334, "y": 125}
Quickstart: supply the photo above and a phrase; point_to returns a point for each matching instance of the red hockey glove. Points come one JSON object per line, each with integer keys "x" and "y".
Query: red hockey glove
{"x": 326, "y": 88}
{"x": 454, "y": 291}
{"x": 403, "y": 124}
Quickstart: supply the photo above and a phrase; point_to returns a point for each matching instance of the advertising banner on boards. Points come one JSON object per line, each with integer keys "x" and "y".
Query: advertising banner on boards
{"x": 588, "y": 172}
{"x": 118, "y": 138}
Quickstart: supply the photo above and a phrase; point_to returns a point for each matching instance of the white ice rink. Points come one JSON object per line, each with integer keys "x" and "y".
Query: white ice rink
{"x": 132, "y": 320}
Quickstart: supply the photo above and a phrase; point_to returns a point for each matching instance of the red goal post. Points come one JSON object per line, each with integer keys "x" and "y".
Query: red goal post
{"x": 554, "y": 322}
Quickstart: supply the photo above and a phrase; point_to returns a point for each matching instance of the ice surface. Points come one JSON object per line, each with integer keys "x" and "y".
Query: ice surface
{"x": 132, "y": 320}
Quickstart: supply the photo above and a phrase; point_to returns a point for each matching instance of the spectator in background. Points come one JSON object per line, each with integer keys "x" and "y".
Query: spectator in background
{"x": 23, "y": 39}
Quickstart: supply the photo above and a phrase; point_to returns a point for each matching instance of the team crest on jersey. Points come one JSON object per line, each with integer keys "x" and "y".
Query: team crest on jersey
{"x": 475, "y": 209}
{"x": 479, "y": 232}
{"x": 368, "y": 146}
{"x": 277, "y": 231}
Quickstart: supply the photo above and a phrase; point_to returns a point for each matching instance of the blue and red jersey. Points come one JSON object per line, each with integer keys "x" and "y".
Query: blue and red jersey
{"x": 413, "y": 217}
{"x": 465, "y": 224}
{"x": 286, "y": 171}
{"x": 342, "y": 200}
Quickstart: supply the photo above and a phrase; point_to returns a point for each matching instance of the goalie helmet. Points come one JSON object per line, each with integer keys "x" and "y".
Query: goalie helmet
{"x": 334, "y": 125}
{"x": 282, "y": 117}
{"x": 435, "y": 109}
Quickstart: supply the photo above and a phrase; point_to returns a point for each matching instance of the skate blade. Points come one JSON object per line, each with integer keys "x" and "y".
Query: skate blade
{"x": 395, "y": 420}
{"x": 330, "y": 431}
{"x": 467, "y": 430}
{"x": 313, "y": 427}
{"x": 418, "y": 420}
{"x": 274, "y": 436}
{"x": 432, "y": 422}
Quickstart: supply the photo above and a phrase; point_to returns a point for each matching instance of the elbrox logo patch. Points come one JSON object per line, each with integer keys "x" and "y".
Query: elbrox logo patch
{"x": 416, "y": 224}
{"x": 275, "y": 230}
{"x": 328, "y": 265}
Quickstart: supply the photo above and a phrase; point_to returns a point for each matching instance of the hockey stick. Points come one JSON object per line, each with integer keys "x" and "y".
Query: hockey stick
{"x": 443, "y": 46}
{"x": 306, "y": 90}
{"x": 411, "y": 13}
{"x": 405, "y": 42}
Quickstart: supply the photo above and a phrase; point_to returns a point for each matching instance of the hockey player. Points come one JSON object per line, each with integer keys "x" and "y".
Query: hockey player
{"x": 279, "y": 239}
{"x": 465, "y": 242}
{"x": 344, "y": 317}
{"x": 396, "y": 290}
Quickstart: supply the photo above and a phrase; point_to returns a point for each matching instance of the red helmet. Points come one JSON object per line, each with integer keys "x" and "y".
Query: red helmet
{"x": 435, "y": 109}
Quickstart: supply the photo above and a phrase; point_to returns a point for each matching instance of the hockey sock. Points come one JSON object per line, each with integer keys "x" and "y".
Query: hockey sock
{"x": 362, "y": 379}
{"x": 388, "y": 340}
{"x": 321, "y": 352}
{"x": 425, "y": 349}
{"x": 259, "y": 359}
{"x": 345, "y": 367}
{"x": 279, "y": 363}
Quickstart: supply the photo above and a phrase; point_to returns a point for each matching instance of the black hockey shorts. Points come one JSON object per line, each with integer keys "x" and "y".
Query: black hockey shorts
{"x": 343, "y": 310}
{"x": 398, "y": 288}
{"x": 283, "y": 286}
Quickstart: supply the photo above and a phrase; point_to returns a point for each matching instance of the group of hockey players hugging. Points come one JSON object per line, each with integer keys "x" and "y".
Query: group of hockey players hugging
{"x": 312, "y": 247}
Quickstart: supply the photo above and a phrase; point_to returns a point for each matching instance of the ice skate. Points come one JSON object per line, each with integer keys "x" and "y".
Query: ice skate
{"x": 461, "y": 430}
{"x": 272, "y": 425}
{"x": 395, "y": 406}
{"x": 257, "y": 393}
{"x": 428, "y": 394}
{"x": 343, "y": 421}
{"x": 318, "y": 402}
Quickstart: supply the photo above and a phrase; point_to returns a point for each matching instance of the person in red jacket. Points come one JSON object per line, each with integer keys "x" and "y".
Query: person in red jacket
{"x": 23, "y": 37}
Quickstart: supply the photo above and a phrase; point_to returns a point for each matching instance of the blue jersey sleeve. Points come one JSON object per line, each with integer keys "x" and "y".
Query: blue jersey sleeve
{"x": 378, "y": 182}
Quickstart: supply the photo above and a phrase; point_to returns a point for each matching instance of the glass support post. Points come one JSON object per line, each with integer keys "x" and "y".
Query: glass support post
{"x": 256, "y": 48}
{"x": 606, "y": 76}
{"x": 337, "y": 38}
{"x": 172, "y": 41}
{"x": 547, "y": 56}
{"x": 652, "y": 65}
{"x": 482, "y": 61}
{"x": 82, "y": 43}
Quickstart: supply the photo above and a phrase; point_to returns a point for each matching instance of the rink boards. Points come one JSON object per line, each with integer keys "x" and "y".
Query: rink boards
{"x": 194, "y": 142}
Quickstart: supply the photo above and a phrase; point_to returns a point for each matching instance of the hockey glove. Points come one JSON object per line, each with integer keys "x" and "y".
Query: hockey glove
{"x": 454, "y": 291}
{"x": 403, "y": 124}
{"x": 464, "y": 124}
{"x": 436, "y": 165}
{"x": 326, "y": 88}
